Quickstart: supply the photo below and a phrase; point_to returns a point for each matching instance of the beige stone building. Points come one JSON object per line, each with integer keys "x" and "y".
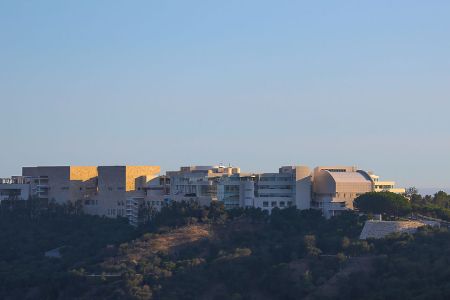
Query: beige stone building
{"x": 118, "y": 184}
{"x": 335, "y": 188}
{"x": 119, "y": 191}
{"x": 62, "y": 183}
{"x": 102, "y": 190}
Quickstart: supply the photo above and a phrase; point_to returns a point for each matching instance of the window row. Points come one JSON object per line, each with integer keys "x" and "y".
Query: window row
{"x": 277, "y": 204}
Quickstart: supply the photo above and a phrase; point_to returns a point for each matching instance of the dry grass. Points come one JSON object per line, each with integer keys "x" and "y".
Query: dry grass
{"x": 179, "y": 237}
{"x": 149, "y": 245}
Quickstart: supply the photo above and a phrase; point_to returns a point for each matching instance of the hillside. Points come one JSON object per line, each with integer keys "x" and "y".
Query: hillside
{"x": 191, "y": 252}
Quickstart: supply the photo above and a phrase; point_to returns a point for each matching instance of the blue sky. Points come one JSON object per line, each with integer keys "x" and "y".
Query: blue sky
{"x": 258, "y": 84}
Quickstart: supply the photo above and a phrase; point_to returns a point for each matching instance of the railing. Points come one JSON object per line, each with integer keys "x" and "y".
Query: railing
{"x": 6, "y": 181}
{"x": 15, "y": 180}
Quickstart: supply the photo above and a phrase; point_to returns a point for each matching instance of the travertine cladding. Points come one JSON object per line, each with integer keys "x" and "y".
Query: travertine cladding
{"x": 82, "y": 173}
{"x": 83, "y": 182}
{"x": 303, "y": 186}
{"x": 103, "y": 190}
{"x": 335, "y": 188}
{"x": 136, "y": 174}
{"x": 62, "y": 183}
{"x": 118, "y": 183}
{"x": 380, "y": 229}
{"x": 111, "y": 191}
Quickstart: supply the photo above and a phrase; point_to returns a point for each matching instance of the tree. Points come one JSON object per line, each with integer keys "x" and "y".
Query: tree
{"x": 145, "y": 213}
{"x": 441, "y": 199}
{"x": 309, "y": 243}
{"x": 383, "y": 203}
{"x": 411, "y": 191}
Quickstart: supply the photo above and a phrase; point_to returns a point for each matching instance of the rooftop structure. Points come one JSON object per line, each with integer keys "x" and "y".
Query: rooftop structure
{"x": 384, "y": 186}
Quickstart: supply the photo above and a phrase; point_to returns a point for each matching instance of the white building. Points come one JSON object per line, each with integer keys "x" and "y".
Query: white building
{"x": 122, "y": 190}
{"x": 153, "y": 194}
{"x": 290, "y": 186}
{"x": 15, "y": 188}
{"x": 335, "y": 188}
{"x": 384, "y": 186}
{"x": 198, "y": 183}
{"x": 233, "y": 190}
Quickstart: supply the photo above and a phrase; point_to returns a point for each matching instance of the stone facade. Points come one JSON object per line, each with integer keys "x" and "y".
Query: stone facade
{"x": 102, "y": 190}
{"x": 62, "y": 183}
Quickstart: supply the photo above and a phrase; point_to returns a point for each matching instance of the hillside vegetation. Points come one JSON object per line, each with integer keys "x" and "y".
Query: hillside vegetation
{"x": 193, "y": 252}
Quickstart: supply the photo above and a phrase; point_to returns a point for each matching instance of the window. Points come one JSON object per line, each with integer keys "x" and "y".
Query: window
{"x": 335, "y": 170}
{"x": 274, "y": 203}
{"x": 267, "y": 179}
{"x": 282, "y": 204}
{"x": 266, "y": 204}
{"x": 284, "y": 178}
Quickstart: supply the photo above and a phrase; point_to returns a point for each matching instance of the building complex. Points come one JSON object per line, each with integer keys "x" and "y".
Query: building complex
{"x": 121, "y": 191}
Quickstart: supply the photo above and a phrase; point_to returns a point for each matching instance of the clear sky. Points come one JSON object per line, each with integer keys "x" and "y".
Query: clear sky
{"x": 257, "y": 84}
